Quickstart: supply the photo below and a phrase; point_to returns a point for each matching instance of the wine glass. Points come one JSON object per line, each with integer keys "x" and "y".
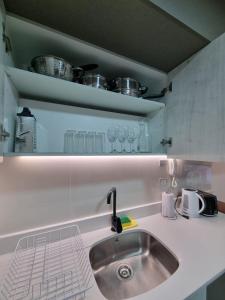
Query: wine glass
{"x": 131, "y": 137}
{"x": 122, "y": 135}
{"x": 112, "y": 134}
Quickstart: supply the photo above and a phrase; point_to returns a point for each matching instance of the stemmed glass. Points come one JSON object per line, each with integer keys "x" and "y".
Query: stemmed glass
{"x": 112, "y": 134}
{"x": 131, "y": 137}
{"x": 122, "y": 135}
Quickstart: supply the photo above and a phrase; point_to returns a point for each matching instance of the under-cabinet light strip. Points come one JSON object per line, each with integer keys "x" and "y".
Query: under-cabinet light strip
{"x": 93, "y": 157}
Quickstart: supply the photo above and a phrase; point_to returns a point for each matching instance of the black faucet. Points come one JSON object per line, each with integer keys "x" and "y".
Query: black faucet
{"x": 116, "y": 222}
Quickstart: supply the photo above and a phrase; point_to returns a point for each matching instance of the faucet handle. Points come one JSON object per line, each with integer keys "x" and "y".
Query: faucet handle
{"x": 116, "y": 225}
{"x": 119, "y": 225}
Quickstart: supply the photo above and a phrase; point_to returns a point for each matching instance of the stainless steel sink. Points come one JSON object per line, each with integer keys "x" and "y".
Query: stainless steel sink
{"x": 130, "y": 264}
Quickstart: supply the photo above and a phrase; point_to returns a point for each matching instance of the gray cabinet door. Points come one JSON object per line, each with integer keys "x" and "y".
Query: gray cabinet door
{"x": 2, "y": 55}
{"x": 195, "y": 110}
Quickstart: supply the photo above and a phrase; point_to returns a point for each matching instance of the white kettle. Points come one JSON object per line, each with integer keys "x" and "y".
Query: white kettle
{"x": 190, "y": 203}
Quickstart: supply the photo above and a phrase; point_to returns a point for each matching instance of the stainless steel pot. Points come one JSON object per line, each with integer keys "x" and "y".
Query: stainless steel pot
{"x": 80, "y": 71}
{"x": 54, "y": 66}
{"x": 128, "y": 86}
{"x": 95, "y": 80}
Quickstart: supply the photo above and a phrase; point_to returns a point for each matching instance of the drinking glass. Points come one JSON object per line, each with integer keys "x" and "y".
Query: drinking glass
{"x": 131, "y": 137}
{"x": 80, "y": 142}
{"x": 90, "y": 142}
{"x": 122, "y": 135}
{"x": 69, "y": 141}
{"x": 99, "y": 142}
{"x": 112, "y": 134}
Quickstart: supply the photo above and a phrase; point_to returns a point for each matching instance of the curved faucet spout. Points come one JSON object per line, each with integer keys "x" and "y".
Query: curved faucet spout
{"x": 116, "y": 222}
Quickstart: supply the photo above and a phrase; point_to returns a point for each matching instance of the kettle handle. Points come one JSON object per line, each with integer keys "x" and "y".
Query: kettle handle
{"x": 203, "y": 203}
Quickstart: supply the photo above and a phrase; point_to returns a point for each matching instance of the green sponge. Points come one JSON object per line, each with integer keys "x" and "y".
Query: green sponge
{"x": 125, "y": 219}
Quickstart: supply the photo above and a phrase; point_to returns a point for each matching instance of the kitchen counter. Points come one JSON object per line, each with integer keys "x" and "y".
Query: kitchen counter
{"x": 199, "y": 245}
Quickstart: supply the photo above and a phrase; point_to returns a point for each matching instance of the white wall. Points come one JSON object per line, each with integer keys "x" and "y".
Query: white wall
{"x": 39, "y": 191}
{"x": 207, "y": 17}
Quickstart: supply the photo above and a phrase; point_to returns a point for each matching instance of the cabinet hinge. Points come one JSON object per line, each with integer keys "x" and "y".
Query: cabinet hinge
{"x": 3, "y": 133}
{"x": 6, "y": 39}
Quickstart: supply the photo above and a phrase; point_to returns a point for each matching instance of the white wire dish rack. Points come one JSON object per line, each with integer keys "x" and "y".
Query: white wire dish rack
{"x": 49, "y": 266}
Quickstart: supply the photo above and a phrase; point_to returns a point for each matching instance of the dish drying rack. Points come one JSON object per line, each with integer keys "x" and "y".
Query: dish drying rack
{"x": 49, "y": 266}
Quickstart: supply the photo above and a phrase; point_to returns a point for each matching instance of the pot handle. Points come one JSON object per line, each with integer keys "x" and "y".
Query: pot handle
{"x": 143, "y": 89}
{"x": 78, "y": 69}
{"x": 89, "y": 67}
{"x": 203, "y": 203}
{"x": 31, "y": 69}
{"x": 78, "y": 73}
{"x": 112, "y": 84}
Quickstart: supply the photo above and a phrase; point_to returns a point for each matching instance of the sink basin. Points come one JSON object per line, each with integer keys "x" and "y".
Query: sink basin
{"x": 130, "y": 264}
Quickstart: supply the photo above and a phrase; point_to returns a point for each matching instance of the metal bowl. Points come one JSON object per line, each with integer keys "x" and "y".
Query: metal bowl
{"x": 54, "y": 66}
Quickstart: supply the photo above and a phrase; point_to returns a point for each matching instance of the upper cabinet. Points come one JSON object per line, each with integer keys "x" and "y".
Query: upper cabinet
{"x": 195, "y": 111}
{"x": 64, "y": 108}
{"x": 71, "y": 118}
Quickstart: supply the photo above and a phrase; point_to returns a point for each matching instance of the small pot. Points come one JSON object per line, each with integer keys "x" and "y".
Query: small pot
{"x": 79, "y": 72}
{"x": 95, "y": 80}
{"x": 128, "y": 86}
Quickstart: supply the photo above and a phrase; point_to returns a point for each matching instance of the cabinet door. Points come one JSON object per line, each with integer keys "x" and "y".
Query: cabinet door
{"x": 2, "y": 54}
{"x": 195, "y": 110}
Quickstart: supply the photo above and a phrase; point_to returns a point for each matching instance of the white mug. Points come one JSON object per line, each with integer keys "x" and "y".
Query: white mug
{"x": 190, "y": 203}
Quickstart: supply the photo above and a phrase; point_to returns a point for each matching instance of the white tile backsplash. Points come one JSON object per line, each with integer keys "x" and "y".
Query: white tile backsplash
{"x": 40, "y": 191}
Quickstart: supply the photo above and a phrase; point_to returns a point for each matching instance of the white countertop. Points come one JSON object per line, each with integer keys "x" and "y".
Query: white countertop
{"x": 199, "y": 245}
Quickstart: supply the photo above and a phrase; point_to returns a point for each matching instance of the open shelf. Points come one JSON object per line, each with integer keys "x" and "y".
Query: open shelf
{"x": 41, "y": 87}
{"x": 44, "y": 40}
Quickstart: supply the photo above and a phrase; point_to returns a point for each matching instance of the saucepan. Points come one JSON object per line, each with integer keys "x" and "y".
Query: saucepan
{"x": 95, "y": 80}
{"x": 128, "y": 86}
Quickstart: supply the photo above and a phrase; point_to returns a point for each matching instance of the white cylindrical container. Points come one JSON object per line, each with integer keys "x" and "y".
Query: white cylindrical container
{"x": 171, "y": 212}
{"x": 168, "y": 205}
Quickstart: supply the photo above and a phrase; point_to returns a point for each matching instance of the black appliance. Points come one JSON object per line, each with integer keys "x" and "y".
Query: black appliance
{"x": 211, "y": 208}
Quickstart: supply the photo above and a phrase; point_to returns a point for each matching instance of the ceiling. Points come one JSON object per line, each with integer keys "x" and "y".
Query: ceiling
{"x": 137, "y": 29}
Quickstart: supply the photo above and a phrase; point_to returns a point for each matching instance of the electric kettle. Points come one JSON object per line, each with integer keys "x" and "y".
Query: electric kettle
{"x": 190, "y": 203}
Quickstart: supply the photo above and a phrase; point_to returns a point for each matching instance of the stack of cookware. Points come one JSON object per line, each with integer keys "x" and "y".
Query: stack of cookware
{"x": 57, "y": 67}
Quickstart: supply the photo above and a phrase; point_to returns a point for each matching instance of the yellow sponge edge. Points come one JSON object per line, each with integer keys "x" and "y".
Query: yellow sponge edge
{"x": 132, "y": 224}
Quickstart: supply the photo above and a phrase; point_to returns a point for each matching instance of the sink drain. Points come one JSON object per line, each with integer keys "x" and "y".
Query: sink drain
{"x": 124, "y": 272}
